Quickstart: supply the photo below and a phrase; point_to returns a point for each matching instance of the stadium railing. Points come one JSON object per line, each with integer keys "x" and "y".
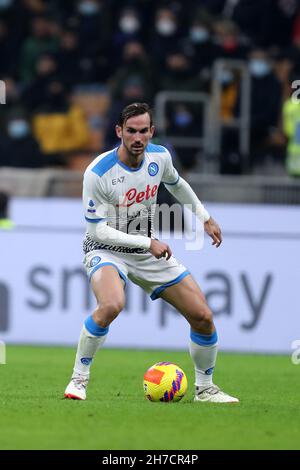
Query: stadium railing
{"x": 209, "y": 139}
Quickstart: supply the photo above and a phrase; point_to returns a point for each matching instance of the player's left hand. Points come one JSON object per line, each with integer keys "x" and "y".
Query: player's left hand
{"x": 213, "y": 230}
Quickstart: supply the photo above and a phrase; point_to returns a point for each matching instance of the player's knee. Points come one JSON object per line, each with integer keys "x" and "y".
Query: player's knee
{"x": 203, "y": 318}
{"x": 206, "y": 316}
{"x": 113, "y": 308}
{"x": 108, "y": 311}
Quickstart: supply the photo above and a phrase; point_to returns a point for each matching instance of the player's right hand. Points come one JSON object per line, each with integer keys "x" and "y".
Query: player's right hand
{"x": 160, "y": 249}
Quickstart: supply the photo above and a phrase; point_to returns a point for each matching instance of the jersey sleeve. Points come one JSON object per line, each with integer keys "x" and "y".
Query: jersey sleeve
{"x": 170, "y": 175}
{"x": 94, "y": 200}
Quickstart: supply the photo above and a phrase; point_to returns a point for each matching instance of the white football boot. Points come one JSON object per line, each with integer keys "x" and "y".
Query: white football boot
{"x": 213, "y": 394}
{"x": 76, "y": 389}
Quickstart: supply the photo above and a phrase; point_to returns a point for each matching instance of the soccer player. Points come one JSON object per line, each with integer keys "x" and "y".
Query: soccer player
{"x": 117, "y": 246}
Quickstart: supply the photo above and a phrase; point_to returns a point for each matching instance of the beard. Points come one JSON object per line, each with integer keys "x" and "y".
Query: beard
{"x": 135, "y": 151}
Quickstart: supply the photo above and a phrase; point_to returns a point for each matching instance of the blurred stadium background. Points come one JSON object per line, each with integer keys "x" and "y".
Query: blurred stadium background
{"x": 220, "y": 75}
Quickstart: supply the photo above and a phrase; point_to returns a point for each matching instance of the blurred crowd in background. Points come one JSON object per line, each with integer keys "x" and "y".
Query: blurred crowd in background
{"x": 70, "y": 66}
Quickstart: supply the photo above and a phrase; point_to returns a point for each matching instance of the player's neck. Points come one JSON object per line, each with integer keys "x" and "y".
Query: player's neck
{"x": 128, "y": 159}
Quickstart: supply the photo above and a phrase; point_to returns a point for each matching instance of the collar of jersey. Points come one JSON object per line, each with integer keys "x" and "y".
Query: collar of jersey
{"x": 128, "y": 167}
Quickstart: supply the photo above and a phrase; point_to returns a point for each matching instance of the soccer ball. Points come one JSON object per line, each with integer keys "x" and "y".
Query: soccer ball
{"x": 165, "y": 382}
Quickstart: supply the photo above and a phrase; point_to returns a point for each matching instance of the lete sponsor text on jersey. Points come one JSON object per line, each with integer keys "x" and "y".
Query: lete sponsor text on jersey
{"x": 132, "y": 196}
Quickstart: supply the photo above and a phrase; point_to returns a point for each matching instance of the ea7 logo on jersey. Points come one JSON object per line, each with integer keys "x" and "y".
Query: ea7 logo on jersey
{"x": 118, "y": 180}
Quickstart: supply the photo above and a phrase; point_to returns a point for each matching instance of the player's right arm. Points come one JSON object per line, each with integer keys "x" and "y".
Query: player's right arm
{"x": 96, "y": 209}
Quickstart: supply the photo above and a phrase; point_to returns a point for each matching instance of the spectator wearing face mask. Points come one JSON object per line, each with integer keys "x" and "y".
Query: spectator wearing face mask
{"x": 165, "y": 36}
{"x": 202, "y": 49}
{"x": 229, "y": 82}
{"x": 93, "y": 22}
{"x": 89, "y": 8}
{"x": 128, "y": 29}
{"x": 265, "y": 103}
{"x": 185, "y": 120}
{"x": 92, "y": 37}
{"x": 18, "y": 147}
{"x": 230, "y": 159}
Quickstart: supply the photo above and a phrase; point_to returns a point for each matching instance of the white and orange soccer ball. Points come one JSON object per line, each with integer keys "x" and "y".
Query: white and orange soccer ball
{"x": 165, "y": 382}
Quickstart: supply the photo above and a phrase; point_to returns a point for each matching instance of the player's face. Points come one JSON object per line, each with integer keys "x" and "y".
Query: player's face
{"x": 135, "y": 134}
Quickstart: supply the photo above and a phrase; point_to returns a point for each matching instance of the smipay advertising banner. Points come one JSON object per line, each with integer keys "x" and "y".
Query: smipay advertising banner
{"x": 251, "y": 282}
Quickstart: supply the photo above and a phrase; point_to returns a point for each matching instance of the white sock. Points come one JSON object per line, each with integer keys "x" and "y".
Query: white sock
{"x": 204, "y": 357}
{"x": 88, "y": 345}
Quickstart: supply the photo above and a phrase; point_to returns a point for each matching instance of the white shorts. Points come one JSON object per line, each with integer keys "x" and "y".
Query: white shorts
{"x": 148, "y": 272}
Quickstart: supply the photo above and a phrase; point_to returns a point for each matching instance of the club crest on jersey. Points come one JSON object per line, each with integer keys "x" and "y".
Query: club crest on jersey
{"x": 153, "y": 169}
{"x": 94, "y": 261}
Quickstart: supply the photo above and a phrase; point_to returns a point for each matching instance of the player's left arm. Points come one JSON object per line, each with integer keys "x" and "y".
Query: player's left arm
{"x": 182, "y": 191}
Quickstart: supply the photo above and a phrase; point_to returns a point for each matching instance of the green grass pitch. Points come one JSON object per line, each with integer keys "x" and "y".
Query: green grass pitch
{"x": 33, "y": 414}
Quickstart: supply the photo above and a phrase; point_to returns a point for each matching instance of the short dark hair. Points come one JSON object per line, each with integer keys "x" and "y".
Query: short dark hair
{"x": 134, "y": 109}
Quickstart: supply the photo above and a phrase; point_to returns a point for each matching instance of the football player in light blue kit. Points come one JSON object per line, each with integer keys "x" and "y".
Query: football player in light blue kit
{"x": 119, "y": 192}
